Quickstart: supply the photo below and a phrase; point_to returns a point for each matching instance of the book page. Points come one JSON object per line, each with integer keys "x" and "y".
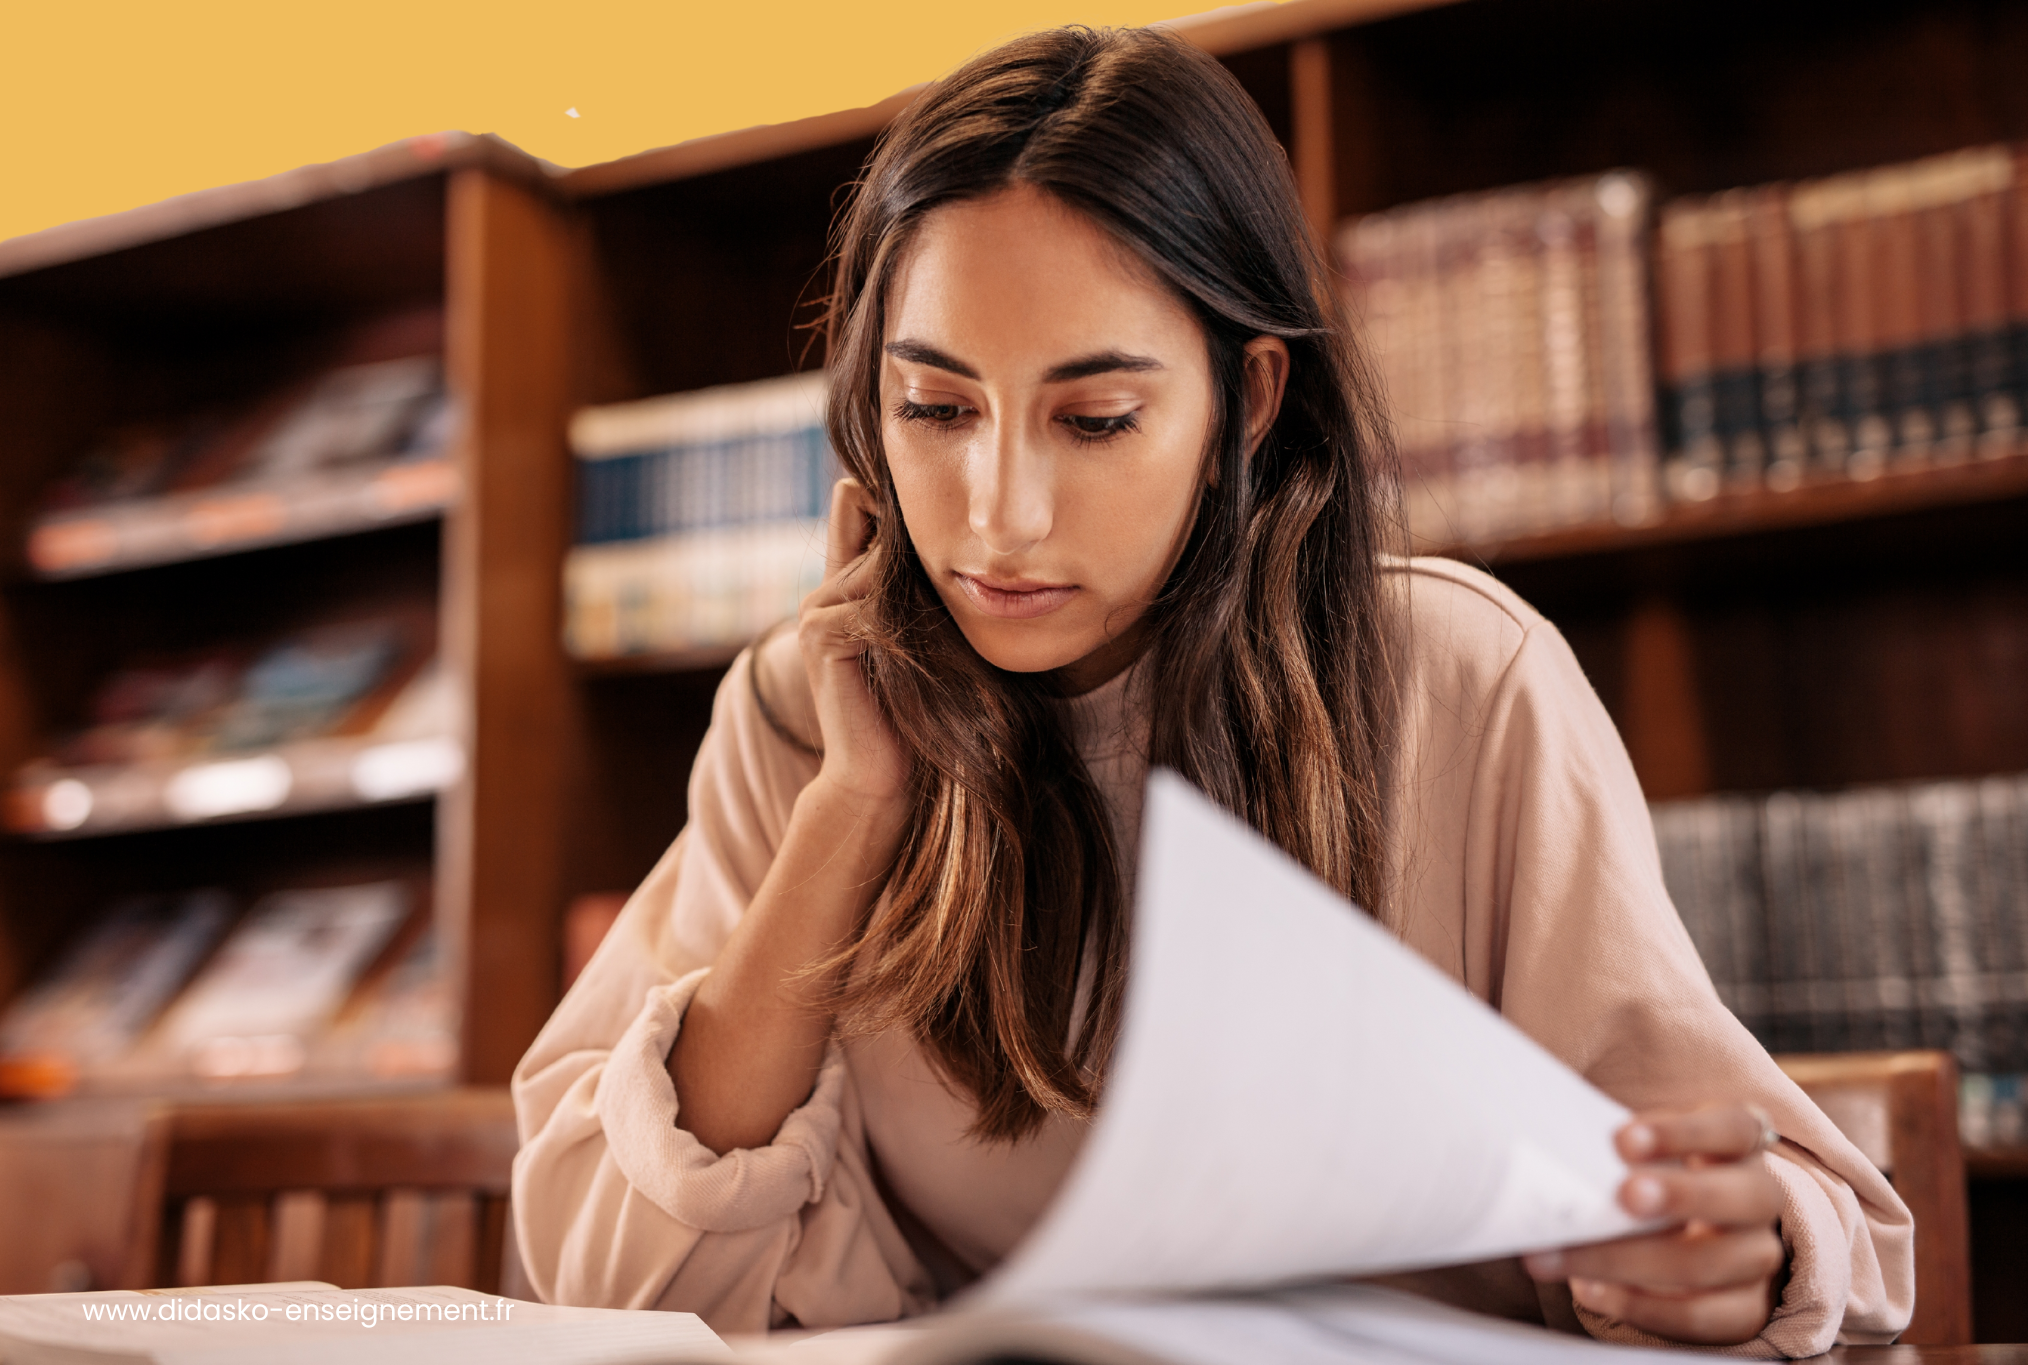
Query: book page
{"x": 258, "y": 1324}
{"x": 1340, "y": 1324}
{"x": 1298, "y": 1095}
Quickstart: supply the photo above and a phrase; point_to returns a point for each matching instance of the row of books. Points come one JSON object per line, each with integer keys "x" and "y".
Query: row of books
{"x": 1874, "y": 918}
{"x": 356, "y": 445}
{"x": 339, "y": 983}
{"x": 1845, "y": 325}
{"x": 701, "y": 517}
{"x": 1993, "y": 1111}
{"x": 345, "y": 712}
{"x": 1833, "y": 328}
{"x": 1510, "y": 333}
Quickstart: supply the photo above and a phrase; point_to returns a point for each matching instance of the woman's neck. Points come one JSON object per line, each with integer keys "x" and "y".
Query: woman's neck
{"x": 1105, "y": 663}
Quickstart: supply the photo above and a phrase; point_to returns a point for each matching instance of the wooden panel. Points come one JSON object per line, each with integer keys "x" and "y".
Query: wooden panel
{"x": 1314, "y": 135}
{"x": 499, "y": 851}
{"x": 1663, "y": 723}
{"x": 346, "y": 1258}
{"x": 1706, "y": 95}
{"x": 296, "y": 1250}
{"x": 240, "y": 1245}
{"x": 462, "y": 1138}
{"x": 79, "y": 1197}
{"x": 1999, "y": 1222}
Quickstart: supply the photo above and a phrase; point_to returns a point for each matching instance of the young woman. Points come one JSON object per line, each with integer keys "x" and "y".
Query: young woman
{"x": 1121, "y": 496}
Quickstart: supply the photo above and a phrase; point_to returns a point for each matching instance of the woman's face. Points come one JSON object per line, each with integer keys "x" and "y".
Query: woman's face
{"x": 1046, "y": 409}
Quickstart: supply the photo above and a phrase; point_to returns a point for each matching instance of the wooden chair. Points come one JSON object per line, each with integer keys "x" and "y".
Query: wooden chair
{"x": 1901, "y": 1110}
{"x": 361, "y": 1193}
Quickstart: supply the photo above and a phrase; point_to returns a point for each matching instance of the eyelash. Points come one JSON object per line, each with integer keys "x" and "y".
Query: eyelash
{"x": 1109, "y": 428}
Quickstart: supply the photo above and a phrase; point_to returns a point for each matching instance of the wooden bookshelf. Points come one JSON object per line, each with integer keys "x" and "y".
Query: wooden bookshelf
{"x": 222, "y": 297}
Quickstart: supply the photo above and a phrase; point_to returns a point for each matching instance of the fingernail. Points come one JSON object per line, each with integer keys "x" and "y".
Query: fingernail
{"x": 1590, "y": 1293}
{"x": 1545, "y": 1265}
{"x": 1638, "y": 1138}
{"x": 1644, "y": 1195}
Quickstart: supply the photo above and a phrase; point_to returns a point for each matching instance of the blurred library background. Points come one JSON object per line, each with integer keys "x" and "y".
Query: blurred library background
{"x": 375, "y": 536}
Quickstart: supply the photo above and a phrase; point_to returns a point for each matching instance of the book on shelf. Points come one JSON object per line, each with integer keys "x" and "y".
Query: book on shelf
{"x": 360, "y": 445}
{"x": 273, "y": 987}
{"x": 1875, "y": 918}
{"x": 1845, "y": 326}
{"x": 1509, "y": 330}
{"x": 401, "y": 1024}
{"x": 332, "y": 983}
{"x": 346, "y": 712}
{"x": 701, "y": 517}
{"x": 102, "y": 995}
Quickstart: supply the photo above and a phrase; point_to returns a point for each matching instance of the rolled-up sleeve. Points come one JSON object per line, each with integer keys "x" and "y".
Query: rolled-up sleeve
{"x": 1591, "y": 959}
{"x": 615, "y": 1203}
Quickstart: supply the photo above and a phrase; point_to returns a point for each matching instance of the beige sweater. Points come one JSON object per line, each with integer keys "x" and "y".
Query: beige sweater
{"x": 1528, "y": 872}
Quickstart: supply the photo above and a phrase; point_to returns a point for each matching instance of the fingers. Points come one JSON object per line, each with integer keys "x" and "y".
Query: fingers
{"x": 1679, "y": 1261}
{"x": 1720, "y": 1318}
{"x": 852, "y": 523}
{"x": 1738, "y": 1193}
{"x": 1724, "y": 1131}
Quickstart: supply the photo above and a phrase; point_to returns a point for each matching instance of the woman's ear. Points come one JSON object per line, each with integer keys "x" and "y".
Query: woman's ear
{"x": 1267, "y": 378}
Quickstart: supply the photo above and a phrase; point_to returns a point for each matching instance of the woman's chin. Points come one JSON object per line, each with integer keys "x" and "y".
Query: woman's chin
{"x": 1026, "y": 647}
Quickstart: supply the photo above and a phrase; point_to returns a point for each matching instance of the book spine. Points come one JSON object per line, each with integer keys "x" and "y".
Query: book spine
{"x": 1688, "y": 356}
{"x": 1598, "y": 451}
{"x": 1433, "y": 496}
{"x": 1774, "y": 318}
{"x": 2017, "y": 279}
{"x": 1889, "y": 200}
{"x": 1535, "y": 494}
{"x": 1735, "y": 378}
{"x": 1566, "y": 382}
{"x": 1625, "y": 204}
{"x": 1982, "y": 220}
{"x": 1821, "y": 412}
{"x": 1858, "y": 302}
{"x": 1947, "y": 183}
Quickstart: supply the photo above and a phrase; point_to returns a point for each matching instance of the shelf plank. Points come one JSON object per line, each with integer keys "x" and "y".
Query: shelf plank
{"x": 1222, "y": 32}
{"x": 50, "y": 802}
{"x": 1734, "y": 515}
{"x": 238, "y": 516}
{"x": 428, "y": 154}
{"x": 1996, "y": 1163}
{"x": 669, "y": 661}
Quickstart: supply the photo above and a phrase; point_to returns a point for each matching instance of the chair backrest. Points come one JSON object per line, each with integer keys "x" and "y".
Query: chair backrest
{"x": 1901, "y": 1110}
{"x": 363, "y": 1193}
{"x": 71, "y": 1215}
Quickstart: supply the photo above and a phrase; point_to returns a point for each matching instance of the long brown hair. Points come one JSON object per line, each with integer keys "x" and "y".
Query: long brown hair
{"x": 1271, "y": 636}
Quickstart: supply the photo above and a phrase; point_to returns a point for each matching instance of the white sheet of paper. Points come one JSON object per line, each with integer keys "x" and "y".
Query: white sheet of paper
{"x": 1296, "y": 1094}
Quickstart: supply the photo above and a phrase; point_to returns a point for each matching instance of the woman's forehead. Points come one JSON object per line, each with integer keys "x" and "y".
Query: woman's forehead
{"x": 1018, "y": 278}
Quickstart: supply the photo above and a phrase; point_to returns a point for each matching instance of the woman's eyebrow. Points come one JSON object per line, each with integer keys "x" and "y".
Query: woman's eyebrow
{"x": 1105, "y": 362}
{"x": 923, "y": 354}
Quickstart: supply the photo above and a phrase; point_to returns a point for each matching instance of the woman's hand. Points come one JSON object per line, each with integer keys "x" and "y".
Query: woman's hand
{"x": 862, "y": 761}
{"x": 1710, "y": 1278}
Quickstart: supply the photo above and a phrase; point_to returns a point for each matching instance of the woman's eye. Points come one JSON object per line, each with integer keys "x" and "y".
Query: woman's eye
{"x": 935, "y": 414}
{"x": 1100, "y": 428}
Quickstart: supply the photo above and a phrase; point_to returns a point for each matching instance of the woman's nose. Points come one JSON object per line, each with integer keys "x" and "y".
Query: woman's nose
{"x": 1013, "y": 500}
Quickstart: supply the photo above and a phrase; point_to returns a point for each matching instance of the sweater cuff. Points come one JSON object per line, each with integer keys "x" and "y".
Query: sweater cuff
{"x": 745, "y": 1188}
{"x": 1806, "y": 1321}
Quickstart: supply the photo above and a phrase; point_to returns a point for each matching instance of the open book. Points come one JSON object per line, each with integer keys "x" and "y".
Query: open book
{"x": 311, "y": 1323}
{"x": 1297, "y": 1098}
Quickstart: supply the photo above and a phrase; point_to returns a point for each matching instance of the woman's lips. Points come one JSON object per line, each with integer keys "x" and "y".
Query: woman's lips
{"x": 1015, "y": 600}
